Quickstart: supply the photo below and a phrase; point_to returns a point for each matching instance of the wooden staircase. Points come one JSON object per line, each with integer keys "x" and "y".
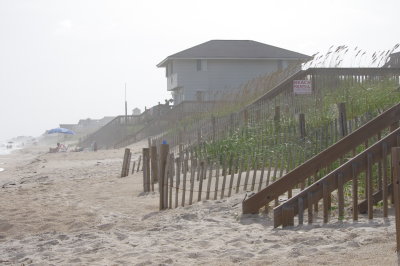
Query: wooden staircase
{"x": 309, "y": 171}
{"x": 386, "y": 184}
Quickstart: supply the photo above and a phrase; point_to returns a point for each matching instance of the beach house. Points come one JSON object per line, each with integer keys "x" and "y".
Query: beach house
{"x": 195, "y": 74}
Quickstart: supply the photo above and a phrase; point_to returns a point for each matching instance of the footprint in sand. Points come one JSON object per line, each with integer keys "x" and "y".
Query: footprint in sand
{"x": 4, "y": 226}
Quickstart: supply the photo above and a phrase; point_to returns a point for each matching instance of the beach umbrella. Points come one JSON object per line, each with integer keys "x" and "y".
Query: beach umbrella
{"x": 61, "y": 130}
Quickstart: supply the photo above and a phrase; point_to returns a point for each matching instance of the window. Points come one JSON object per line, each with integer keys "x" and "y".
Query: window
{"x": 198, "y": 64}
{"x": 201, "y": 65}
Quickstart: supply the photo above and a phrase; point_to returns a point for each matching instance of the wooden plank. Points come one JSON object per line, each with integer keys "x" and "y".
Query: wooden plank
{"x": 165, "y": 187}
{"x": 185, "y": 167}
{"x": 171, "y": 179}
{"x": 309, "y": 207}
{"x": 246, "y": 180}
{"x": 224, "y": 173}
{"x": 146, "y": 169}
{"x": 203, "y": 168}
{"x": 255, "y": 166}
{"x": 154, "y": 165}
{"x": 242, "y": 162}
{"x": 124, "y": 162}
{"x": 369, "y": 186}
{"x": 384, "y": 180}
{"x": 192, "y": 181}
{"x": 288, "y": 217}
{"x": 128, "y": 163}
{"x": 262, "y": 174}
{"x": 326, "y": 157}
{"x": 301, "y": 211}
{"x": 178, "y": 179}
{"x": 235, "y": 162}
{"x": 354, "y": 191}
{"x": 164, "y": 151}
{"x": 327, "y": 196}
{"x": 396, "y": 191}
{"x": 209, "y": 181}
{"x": 340, "y": 195}
{"x": 216, "y": 182}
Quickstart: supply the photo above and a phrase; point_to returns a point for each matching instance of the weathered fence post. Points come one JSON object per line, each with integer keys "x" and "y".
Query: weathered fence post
{"x": 154, "y": 166}
{"x": 396, "y": 190}
{"x": 164, "y": 151}
{"x": 342, "y": 119}
{"x": 146, "y": 169}
{"x": 125, "y": 162}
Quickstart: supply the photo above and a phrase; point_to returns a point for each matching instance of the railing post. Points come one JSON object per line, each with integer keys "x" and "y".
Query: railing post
{"x": 396, "y": 190}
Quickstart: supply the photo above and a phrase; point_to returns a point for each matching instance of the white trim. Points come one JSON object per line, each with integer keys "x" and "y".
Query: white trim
{"x": 161, "y": 64}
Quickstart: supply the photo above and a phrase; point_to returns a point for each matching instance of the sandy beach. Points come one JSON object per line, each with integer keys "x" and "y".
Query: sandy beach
{"x": 72, "y": 208}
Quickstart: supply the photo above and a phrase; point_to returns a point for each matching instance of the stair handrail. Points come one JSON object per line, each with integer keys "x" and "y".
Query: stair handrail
{"x": 346, "y": 171}
{"x": 322, "y": 159}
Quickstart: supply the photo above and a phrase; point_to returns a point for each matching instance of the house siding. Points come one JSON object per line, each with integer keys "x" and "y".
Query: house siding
{"x": 220, "y": 75}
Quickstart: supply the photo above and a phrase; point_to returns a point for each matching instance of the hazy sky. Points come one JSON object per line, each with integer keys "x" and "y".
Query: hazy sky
{"x": 61, "y": 61}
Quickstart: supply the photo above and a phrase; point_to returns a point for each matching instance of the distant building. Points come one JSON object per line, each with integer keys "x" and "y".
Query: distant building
{"x": 136, "y": 111}
{"x": 394, "y": 60}
{"x": 88, "y": 125}
{"x": 195, "y": 73}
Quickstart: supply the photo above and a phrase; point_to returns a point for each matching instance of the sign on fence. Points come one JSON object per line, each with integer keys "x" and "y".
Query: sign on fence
{"x": 302, "y": 87}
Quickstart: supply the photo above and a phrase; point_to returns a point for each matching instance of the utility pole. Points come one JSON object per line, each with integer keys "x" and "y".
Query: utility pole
{"x": 126, "y": 108}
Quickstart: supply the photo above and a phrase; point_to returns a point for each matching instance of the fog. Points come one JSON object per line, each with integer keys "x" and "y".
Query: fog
{"x": 61, "y": 61}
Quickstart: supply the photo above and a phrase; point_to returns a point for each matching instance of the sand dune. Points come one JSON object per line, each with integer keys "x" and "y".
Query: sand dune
{"x": 71, "y": 208}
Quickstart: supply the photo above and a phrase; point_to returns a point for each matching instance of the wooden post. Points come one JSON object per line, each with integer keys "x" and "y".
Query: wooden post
{"x": 154, "y": 166}
{"x": 369, "y": 186}
{"x": 178, "y": 179}
{"x": 124, "y": 162}
{"x": 171, "y": 175}
{"x": 203, "y": 168}
{"x": 309, "y": 208}
{"x": 396, "y": 190}
{"x": 128, "y": 163}
{"x": 185, "y": 167}
{"x": 164, "y": 151}
{"x": 340, "y": 196}
{"x": 216, "y": 182}
{"x": 326, "y": 196}
{"x": 146, "y": 169}
{"x": 342, "y": 119}
{"x": 209, "y": 181}
{"x": 224, "y": 173}
{"x": 301, "y": 210}
{"x": 240, "y": 174}
{"x": 385, "y": 180}
{"x": 354, "y": 192}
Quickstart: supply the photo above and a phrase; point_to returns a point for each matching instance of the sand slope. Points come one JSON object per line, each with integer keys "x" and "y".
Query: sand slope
{"x": 71, "y": 208}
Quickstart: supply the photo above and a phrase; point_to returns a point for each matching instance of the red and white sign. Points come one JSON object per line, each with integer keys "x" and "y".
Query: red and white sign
{"x": 302, "y": 87}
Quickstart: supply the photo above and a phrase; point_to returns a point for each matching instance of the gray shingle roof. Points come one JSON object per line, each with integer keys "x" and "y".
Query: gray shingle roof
{"x": 235, "y": 49}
